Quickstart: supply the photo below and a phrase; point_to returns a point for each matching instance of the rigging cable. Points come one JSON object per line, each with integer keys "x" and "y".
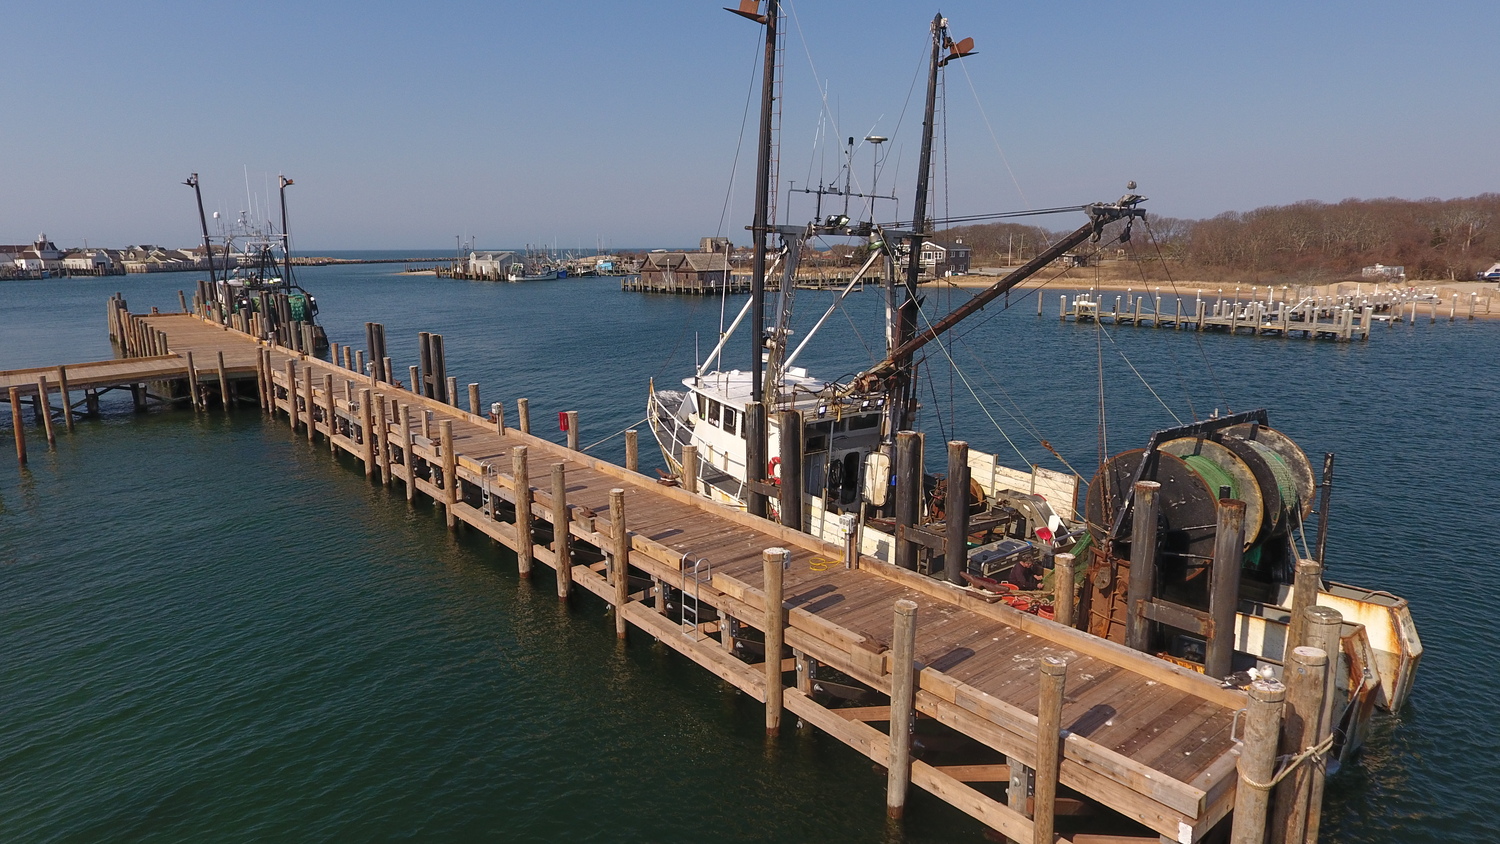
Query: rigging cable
{"x": 1213, "y": 377}
{"x": 943, "y": 347}
{"x": 986, "y": 118}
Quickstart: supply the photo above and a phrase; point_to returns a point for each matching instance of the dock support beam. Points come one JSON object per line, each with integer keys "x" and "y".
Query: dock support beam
{"x": 908, "y": 495}
{"x": 331, "y": 411}
{"x": 523, "y": 415}
{"x": 1307, "y": 584}
{"x": 690, "y": 468}
{"x": 1224, "y": 587}
{"x": 450, "y": 467}
{"x": 1257, "y": 762}
{"x": 621, "y": 557}
{"x": 755, "y": 458}
{"x": 632, "y": 451}
{"x": 1305, "y": 673}
{"x": 1064, "y": 588}
{"x": 956, "y": 512}
{"x": 1325, "y": 627}
{"x": 1048, "y": 748}
{"x": 311, "y": 405}
{"x": 291, "y": 393}
{"x": 903, "y": 697}
{"x": 562, "y": 536}
{"x": 519, "y": 470}
{"x": 572, "y": 419}
{"x": 44, "y": 405}
{"x": 790, "y": 494}
{"x": 67, "y": 400}
{"x": 773, "y": 562}
{"x": 382, "y": 439}
{"x": 18, "y": 425}
{"x": 1142, "y": 565}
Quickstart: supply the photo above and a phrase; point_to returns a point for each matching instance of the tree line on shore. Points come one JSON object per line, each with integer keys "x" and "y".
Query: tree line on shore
{"x": 1434, "y": 239}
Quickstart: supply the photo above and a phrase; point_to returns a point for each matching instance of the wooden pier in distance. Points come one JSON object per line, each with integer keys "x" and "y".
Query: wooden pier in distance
{"x": 778, "y": 614}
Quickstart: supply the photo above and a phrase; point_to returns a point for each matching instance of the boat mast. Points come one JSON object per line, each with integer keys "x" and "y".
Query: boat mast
{"x": 192, "y": 182}
{"x": 900, "y": 402}
{"x": 286, "y": 240}
{"x": 756, "y": 428}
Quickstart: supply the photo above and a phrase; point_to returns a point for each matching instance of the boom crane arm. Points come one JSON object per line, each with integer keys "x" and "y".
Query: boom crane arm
{"x": 1100, "y": 214}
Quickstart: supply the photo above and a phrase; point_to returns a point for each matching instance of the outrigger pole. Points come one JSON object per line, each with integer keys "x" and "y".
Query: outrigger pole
{"x": 756, "y": 426}
{"x": 897, "y": 363}
{"x": 192, "y": 182}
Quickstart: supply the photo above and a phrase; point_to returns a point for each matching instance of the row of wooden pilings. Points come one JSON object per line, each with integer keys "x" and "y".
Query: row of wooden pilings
{"x": 378, "y": 410}
{"x": 1289, "y": 724}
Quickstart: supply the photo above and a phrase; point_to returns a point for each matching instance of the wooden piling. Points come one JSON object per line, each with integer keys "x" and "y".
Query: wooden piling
{"x": 1257, "y": 763}
{"x": 1142, "y": 584}
{"x": 956, "y": 513}
{"x": 1305, "y": 673}
{"x": 415, "y": 377}
{"x": 474, "y": 399}
{"x": 1048, "y": 748}
{"x": 1064, "y": 598}
{"x": 1325, "y": 626}
{"x": 330, "y": 410}
{"x": 291, "y": 392}
{"x": 1224, "y": 587}
{"x": 262, "y": 378}
{"x": 621, "y": 557}
{"x": 690, "y": 468}
{"x": 18, "y": 426}
{"x": 525, "y": 553}
{"x": 382, "y": 439}
{"x": 450, "y": 389}
{"x": 562, "y": 536}
{"x": 632, "y": 453}
{"x": 1306, "y": 585}
{"x": 773, "y": 561}
{"x": 67, "y": 399}
{"x": 366, "y": 426}
{"x": 408, "y": 452}
{"x": 523, "y": 415}
{"x": 192, "y": 383}
{"x": 903, "y": 697}
{"x": 311, "y": 405}
{"x": 572, "y": 417}
{"x": 223, "y": 380}
{"x": 44, "y": 404}
{"x": 789, "y": 492}
{"x": 450, "y": 470}
{"x": 908, "y": 495}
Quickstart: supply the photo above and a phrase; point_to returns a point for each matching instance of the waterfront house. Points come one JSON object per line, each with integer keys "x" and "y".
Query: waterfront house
{"x": 489, "y": 265}
{"x": 90, "y": 262}
{"x": 944, "y": 258}
{"x": 687, "y": 272}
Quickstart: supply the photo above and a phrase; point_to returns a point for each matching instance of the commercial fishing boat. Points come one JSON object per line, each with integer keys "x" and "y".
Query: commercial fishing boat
{"x": 839, "y": 460}
{"x": 250, "y": 271}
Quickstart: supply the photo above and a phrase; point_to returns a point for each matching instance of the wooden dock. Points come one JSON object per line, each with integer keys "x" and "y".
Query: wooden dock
{"x": 1138, "y": 735}
{"x": 1341, "y": 317}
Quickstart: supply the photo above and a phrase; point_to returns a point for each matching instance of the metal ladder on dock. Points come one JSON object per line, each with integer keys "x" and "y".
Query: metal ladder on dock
{"x": 701, "y": 573}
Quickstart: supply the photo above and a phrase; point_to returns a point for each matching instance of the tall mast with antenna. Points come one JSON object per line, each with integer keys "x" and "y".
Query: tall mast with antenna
{"x": 192, "y": 182}
{"x": 286, "y": 238}
{"x": 900, "y": 388}
{"x": 755, "y": 442}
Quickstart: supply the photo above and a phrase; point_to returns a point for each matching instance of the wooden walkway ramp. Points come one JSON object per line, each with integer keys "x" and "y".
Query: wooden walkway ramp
{"x": 1140, "y": 736}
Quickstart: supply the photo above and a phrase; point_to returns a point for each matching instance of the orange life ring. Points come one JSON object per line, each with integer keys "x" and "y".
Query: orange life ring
{"x": 773, "y": 470}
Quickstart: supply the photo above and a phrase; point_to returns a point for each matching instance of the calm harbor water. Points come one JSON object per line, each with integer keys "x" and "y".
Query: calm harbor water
{"x": 215, "y": 632}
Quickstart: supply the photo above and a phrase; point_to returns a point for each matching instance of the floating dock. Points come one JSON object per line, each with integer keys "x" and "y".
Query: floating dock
{"x": 848, "y": 644}
{"x": 1341, "y": 317}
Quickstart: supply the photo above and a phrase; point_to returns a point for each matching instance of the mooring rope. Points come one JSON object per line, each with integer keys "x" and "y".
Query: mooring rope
{"x": 1288, "y": 764}
{"x": 621, "y": 432}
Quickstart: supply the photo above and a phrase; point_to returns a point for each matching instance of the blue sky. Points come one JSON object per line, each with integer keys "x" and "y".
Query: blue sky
{"x": 577, "y": 122}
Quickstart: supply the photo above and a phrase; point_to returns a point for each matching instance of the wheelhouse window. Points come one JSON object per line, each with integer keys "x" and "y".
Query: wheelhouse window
{"x": 729, "y": 419}
{"x": 713, "y": 412}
